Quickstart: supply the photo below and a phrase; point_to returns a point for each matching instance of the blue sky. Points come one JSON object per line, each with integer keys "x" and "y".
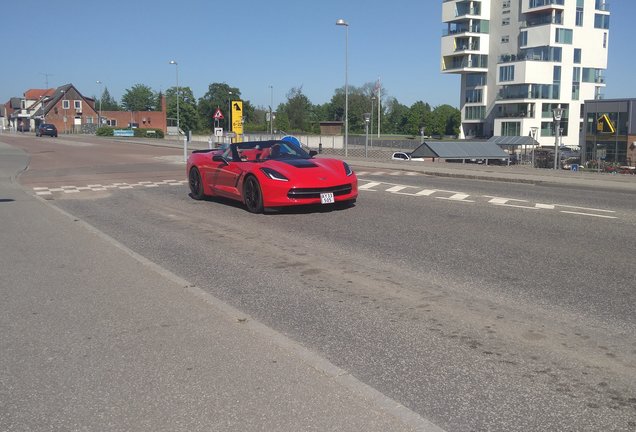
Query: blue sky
{"x": 251, "y": 45}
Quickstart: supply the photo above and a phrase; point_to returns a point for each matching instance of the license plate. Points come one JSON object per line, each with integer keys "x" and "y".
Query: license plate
{"x": 327, "y": 198}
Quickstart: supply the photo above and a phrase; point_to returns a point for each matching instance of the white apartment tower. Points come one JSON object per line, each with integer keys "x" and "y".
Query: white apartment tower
{"x": 520, "y": 59}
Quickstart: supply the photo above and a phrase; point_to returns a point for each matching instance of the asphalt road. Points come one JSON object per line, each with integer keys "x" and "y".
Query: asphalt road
{"x": 478, "y": 305}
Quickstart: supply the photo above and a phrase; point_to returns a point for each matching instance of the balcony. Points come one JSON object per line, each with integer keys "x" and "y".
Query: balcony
{"x": 602, "y": 5}
{"x": 542, "y": 3}
{"x": 459, "y": 63}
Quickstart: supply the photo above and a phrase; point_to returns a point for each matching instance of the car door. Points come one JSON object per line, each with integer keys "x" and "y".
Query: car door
{"x": 226, "y": 179}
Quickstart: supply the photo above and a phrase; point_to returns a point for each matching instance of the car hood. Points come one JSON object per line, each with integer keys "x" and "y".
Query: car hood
{"x": 292, "y": 168}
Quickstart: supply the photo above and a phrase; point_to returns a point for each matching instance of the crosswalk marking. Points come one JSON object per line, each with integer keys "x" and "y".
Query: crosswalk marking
{"x": 455, "y": 196}
{"x": 68, "y": 189}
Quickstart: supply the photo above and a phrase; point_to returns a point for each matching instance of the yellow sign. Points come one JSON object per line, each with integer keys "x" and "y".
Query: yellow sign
{"x": 237, "y": 117}
{"x": 605, "y": 125}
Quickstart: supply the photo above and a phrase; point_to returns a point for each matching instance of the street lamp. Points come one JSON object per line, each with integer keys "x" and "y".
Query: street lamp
{"x": 99, "y": 118}
{"x": 367, "y": 118}
{"x": 372, "y": 101}
{"x": 176, "y": 65}
{"x": 271, "y": 107}
{"x": 229, "y": 112}
{"x": 557, "y": 113}
{"x": 533, "y": 132}
{"x": 342, "y": 22}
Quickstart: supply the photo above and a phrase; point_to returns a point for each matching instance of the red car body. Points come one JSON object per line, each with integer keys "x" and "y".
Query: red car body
{"x": 270, "y": 174}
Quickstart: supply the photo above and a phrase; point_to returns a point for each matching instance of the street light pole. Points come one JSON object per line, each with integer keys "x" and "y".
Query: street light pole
{"x": 271, "y": 109}
{"x": 99, "y": 118}
{"x": 367, "y": 117}
{"x": 177, "y": 71}
{"x": 557, "y": 113}
{"x": 229, "y": 113}
{"x": 372, "y": 101}
{"x": 342, "y": 22}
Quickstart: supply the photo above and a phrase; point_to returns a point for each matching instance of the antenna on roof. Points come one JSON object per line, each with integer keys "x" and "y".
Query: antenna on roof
{"x": 46, "y": 78}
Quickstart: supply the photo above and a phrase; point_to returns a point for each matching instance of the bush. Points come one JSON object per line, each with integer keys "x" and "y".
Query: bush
{"x": 143, "y": 133}
{"x": 104, "y": 131}
{"x": 139, "y": 133}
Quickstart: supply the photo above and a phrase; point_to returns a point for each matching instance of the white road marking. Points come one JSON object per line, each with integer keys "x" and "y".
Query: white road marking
{"x": 368, "y": 186}
{"x": 494, "y": 200}
{"x": 458, "y": 197}
{"x": 588, "y": 214}
{"x": 40, "y": 190}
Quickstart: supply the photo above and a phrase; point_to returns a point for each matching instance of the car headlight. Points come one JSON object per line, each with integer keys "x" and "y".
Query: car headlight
{"x": 274, "y": 175}
{"x": 348, "y": 170}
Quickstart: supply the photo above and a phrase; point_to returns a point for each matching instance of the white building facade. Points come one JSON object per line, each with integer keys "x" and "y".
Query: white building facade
{"x": 520, "y": 59}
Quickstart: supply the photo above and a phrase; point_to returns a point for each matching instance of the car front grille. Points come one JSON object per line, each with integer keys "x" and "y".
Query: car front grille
{"x": 301, "y": 193}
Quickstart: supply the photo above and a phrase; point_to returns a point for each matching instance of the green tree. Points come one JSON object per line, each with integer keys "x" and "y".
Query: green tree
{"x": 359, "y": 104}
{"x": 298, "y": 109}
{"x": 281, "y": 122}
{"x": 418, "y": 117}
{"x": 396, "y": 118}
{"x": 108, "y": 103}
{"x": 139, "y": 98}
{"x": 445, "y": 120}
{"x": 217, "y": 96}
{"x": 188, "y": 113}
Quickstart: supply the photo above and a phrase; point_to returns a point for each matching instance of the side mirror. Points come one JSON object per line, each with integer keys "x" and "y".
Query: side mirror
{"x": 312, "y": 153}
{"x": 220, "y": 158}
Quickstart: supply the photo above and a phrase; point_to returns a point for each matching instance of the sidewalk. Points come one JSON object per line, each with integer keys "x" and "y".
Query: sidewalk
{"x": 95, "y": 337}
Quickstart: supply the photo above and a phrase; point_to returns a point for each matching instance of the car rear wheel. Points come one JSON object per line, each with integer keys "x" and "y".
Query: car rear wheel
{"x": 252, "y": 195}
{"x": 196, "y": 186}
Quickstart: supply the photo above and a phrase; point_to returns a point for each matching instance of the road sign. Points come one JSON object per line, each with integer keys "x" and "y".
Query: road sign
{"x": 237, "y": 117}
{"x": 218, "y": 115}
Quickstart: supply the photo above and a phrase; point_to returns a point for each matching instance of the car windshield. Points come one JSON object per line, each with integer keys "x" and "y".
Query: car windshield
{"x": 257, "y": 151}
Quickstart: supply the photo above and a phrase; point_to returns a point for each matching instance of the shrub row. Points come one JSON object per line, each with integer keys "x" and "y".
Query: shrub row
{"x": 139, "y": 132}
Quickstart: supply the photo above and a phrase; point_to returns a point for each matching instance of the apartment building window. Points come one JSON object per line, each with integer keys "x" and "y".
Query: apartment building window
{"x": 510, "y": 128}
{"x": 66, "y": 104}
{"x": 556, "y": 75}
{"x": 601, "y": 5}
{"x": 507, "y": 73}
{"x": 576, "y": 74}
{"x": 601, "y": 21}
{"x": 576, "y": 89}
{"x": 604, "y": 40}
{"x": 523, "y": 38}
{"x": 474, "y": 112}
{"x": 577, "y": 55}
{"x": 505, "y": 39}
{"x": 474, "y": 95}
{"x": 77, "y": 105}
{"x": 475, "y": 79}
{"x": 505, "y": 21}
{"x": 563, "y": 36}
{"x": 505, "y": 4}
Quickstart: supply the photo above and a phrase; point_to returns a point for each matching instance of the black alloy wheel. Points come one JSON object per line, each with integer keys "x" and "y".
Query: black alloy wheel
{"x": 196, "y": 186}
{"x": 252, "y": 195}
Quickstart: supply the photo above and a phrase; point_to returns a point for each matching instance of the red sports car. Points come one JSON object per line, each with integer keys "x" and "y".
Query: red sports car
{"x": 270, "y": 174}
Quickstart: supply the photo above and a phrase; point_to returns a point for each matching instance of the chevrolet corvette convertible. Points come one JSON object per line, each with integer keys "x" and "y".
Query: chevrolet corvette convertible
{"x": 270, "y": 174}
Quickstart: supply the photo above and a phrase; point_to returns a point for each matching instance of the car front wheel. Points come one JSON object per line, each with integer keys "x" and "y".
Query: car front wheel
{"x": 252, "y": 195}
{"x": 196, "y": 186}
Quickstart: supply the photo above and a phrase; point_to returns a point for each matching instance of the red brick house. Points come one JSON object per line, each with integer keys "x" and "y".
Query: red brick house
{"x": 67, "y": 109}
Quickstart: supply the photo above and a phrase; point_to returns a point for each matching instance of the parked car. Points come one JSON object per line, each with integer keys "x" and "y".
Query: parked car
{"x": 405, "y": 156}
{"x": 46, "y": 129}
